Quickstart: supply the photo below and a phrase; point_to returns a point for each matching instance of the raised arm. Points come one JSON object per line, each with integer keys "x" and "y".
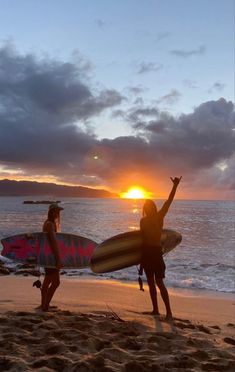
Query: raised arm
{"x": 171, "y": 196}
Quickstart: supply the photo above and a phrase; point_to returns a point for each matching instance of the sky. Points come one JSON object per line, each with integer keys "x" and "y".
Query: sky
{"x": 111, "y": 94}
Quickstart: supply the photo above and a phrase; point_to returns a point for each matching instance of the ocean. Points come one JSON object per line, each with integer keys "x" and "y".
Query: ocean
{"x": 204, "y": 260}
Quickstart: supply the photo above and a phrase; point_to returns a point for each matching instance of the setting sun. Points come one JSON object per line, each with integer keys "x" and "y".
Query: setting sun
{"x": 135, "y": 193}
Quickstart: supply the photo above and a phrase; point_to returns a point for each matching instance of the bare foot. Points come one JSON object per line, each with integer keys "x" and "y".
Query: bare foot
{"x": 169, "y": 317}
{"x": 155, "y": 313}
{"x": 50, "y": 308}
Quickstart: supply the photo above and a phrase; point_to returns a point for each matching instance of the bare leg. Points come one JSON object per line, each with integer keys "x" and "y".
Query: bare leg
{"x": 45, "y": 285}
{"x": 153, "y": 293}
{"x": 51, "y": 290}
{"x": 165, "y": 297}
{"x": 50, "y": 284}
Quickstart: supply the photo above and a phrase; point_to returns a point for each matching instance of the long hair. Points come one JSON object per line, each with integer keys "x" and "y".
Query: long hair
{"x": 149, "y": 209}
{"x": 54, "y": 218}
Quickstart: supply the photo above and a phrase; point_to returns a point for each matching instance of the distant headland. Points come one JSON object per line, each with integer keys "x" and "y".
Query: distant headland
{"x": 25, "y": 188}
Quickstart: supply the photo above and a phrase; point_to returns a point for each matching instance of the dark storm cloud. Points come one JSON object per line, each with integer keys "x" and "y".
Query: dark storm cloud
{"x": 188, "y": 143}
{"x": 200, "y": 139}
{"x": 42, "y": 103}
{"x": 49, "y": 87}
{"x": 45, "y": 103}
{"x": 193, "y": 145}
{"x": 188, "y": 53}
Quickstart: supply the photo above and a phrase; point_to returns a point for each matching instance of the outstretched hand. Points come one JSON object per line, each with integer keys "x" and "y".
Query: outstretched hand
{"x": 176, "y": 180}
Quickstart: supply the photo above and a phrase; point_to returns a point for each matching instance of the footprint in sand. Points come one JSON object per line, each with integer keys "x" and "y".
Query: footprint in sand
{"x": 55, "y": 348}
{"x": 229, "y": 340}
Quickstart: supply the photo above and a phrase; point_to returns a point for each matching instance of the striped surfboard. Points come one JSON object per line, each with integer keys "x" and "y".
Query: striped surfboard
{"x": 124, "y": 250}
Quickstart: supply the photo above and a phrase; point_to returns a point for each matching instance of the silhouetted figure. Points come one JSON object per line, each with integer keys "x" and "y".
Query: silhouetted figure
{"x": 52, "y": 275}
{"x": 152, "y": 262}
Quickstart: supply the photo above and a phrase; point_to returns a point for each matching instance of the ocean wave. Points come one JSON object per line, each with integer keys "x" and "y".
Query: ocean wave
{"x": 215, "y": 277}
{"x": 226, "y": 285}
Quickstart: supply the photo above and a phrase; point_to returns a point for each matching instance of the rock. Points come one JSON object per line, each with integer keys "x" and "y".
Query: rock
{"x": 4, "y": 271}
{"x": 26, "y": 266}
{"x": 26, "y": 272}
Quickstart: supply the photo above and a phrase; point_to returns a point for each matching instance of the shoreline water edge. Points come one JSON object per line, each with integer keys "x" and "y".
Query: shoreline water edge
{"x": 204, "y": 260}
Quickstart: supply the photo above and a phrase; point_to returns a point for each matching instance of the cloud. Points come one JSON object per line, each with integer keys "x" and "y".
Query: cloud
{"x": 134, "y": 115}
{"x": 170, "y": 98}
{"x": 191, "y": 144}
{"x": 83, "y": 65}
{"x": 146, "y": 67}
{"x": 50, "y": 86}
{"x": 197, "y": 140}
{"x": 136, "y": 90}
{"x": 45, "y": 105}
{"x": 217, "y": 86}
{"x": 227, "y": 175}
{"x": 188, "y": 53}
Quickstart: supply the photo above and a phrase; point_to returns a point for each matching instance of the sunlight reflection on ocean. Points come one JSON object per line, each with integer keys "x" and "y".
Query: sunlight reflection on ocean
{"x": 204, "y": 259}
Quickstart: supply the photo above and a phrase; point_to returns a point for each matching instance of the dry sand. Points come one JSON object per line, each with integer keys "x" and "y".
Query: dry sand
{"x": 100, "y": 325}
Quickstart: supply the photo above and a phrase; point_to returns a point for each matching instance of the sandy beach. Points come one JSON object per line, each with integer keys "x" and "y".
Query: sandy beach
{"x": 102, "y": 325}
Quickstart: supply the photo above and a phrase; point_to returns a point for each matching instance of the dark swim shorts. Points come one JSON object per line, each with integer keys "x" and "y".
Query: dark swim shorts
{"x": 153, "y": 262}
{"x": 51, "y": 271}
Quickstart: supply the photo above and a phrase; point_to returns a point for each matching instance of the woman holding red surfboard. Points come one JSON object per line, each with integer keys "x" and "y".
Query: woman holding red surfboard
{"x": 52, "y": 275}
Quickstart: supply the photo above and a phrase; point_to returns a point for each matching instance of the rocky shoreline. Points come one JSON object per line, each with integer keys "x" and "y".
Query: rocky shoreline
{"x": 18, "y": 269}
